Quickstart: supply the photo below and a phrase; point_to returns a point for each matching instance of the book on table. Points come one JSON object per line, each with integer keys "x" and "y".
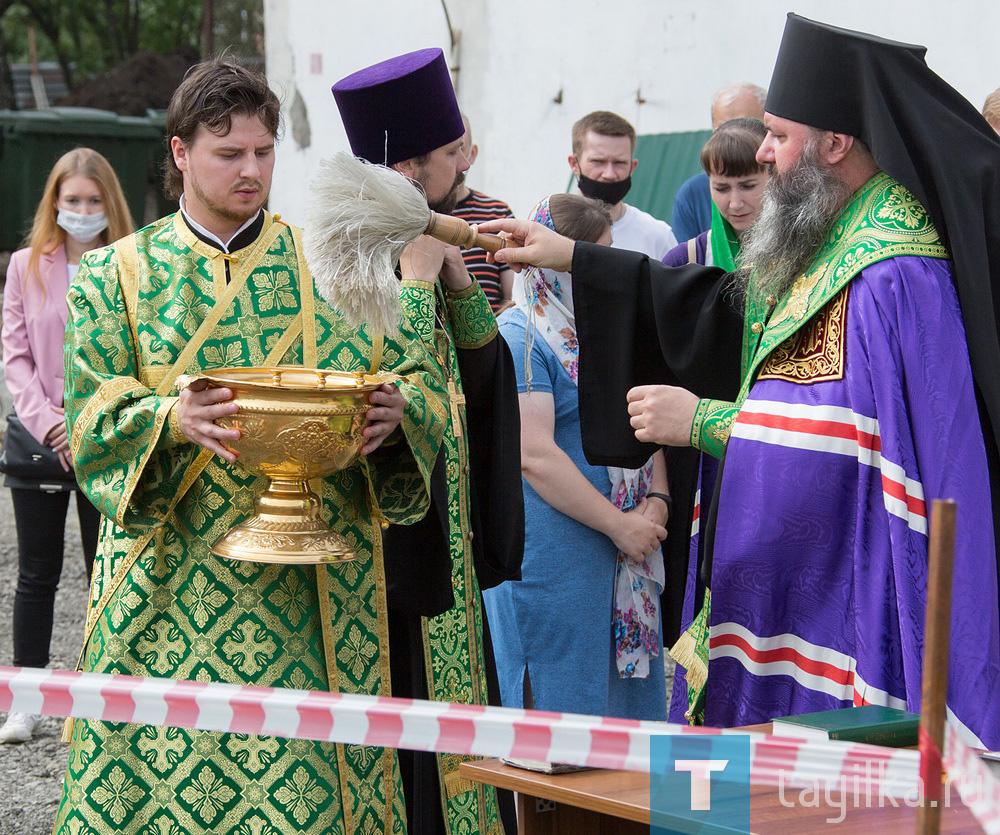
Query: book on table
{"x": 873, "y": 724}
{"x": 542, "y": 766}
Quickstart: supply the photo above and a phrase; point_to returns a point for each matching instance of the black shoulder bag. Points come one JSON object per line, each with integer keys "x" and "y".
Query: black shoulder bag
{"x": 25, "y": 460}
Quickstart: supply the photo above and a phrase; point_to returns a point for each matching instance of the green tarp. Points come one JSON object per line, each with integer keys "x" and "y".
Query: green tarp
{"x": 666, "y": 160}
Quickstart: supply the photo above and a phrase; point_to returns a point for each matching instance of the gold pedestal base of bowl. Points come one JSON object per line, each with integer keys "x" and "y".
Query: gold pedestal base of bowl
{"x": 295, "y": 424}
{"x": 285, "y": 528}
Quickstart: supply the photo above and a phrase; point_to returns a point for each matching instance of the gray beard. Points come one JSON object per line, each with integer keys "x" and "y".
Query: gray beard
{"x": 795, "y": 218}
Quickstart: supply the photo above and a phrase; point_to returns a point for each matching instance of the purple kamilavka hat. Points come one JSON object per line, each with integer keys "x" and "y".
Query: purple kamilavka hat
{"x": 400, "y": 108}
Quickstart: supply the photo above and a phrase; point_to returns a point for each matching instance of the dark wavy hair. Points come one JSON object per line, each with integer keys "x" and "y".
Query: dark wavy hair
{"x": 211, "y": 93}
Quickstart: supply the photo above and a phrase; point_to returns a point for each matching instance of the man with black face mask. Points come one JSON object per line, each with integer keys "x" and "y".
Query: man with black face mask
{"x": 603, "y": 161}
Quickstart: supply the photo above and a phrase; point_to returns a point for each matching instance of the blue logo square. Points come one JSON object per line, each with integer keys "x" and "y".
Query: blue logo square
{"x": 698, "y": 783}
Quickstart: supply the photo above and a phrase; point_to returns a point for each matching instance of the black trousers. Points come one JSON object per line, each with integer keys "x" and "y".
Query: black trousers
{"x": 41, "y": 525}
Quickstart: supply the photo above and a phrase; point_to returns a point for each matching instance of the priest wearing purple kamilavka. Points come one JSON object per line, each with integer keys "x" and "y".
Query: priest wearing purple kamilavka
{"x": 847, "y": 375}
{"x": 403, "y": 113}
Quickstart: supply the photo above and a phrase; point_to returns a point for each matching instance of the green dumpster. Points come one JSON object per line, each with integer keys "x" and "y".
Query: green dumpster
{"x": 31, "y": 142}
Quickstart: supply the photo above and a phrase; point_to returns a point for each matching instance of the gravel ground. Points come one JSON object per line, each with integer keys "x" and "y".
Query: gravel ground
{"x": 31, "y": 774}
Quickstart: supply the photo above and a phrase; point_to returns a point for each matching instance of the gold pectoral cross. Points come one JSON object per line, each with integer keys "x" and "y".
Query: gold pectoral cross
{"x": 456, "y": 400}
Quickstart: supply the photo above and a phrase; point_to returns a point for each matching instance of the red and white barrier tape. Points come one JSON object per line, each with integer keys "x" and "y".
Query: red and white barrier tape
{"x": 977, "y": 785}
{"x": 600, "y": 742}
{"x": 421, "y": 725}
{"x": 332, "y": 717}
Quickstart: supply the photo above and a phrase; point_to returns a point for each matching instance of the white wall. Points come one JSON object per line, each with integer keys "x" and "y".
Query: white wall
{"x": 515, "y": 56}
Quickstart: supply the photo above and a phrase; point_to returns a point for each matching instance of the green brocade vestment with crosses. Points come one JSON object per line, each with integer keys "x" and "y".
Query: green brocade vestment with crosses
{"x": 162, "y": 605}
{"x": 453, "y": 647}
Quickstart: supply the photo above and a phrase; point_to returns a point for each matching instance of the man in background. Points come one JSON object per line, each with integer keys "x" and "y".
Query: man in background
{"x": 991, "y": 110}
{"x": 692, "y": 213}
{"x": 603, "y": 160}
{"x": 475, "y": 207}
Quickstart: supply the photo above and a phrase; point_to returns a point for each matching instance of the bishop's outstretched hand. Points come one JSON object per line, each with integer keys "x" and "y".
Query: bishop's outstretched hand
{"x": 541, "y": 247}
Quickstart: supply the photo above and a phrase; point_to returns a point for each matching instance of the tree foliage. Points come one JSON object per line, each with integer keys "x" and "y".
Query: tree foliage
{"x": 88, "y": 37}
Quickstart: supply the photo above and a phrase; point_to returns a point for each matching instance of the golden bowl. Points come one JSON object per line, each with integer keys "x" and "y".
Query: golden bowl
{"x": 295, "y": 424}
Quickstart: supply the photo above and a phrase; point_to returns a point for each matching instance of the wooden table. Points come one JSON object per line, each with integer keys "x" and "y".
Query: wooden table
{"x": 596, "y": 802}
{"x": 601, "y": 802}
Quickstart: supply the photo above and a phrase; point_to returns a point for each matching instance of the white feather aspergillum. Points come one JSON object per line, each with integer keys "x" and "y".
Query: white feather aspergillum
{"x": 359, "y": 219}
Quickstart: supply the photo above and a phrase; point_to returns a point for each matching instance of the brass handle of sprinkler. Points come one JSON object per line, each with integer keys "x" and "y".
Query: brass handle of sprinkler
{"x": 454, "y": 230}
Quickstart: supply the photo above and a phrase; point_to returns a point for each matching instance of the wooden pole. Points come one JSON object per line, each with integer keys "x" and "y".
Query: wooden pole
{"x": 207, "y": 28}
{"x": 37, "y": 82}
{"x": 940, "y": 565}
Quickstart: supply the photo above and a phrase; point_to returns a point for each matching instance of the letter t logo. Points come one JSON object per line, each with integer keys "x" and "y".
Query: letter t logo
{"x": 701, "y": 784}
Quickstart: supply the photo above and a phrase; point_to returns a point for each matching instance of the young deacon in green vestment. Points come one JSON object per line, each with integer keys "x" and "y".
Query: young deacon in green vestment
{"x": 223, "y": 283}
{"x": 403, "y": 113}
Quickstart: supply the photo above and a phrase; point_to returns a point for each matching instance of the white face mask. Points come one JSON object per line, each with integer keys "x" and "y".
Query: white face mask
{"x": 82, "y": 228}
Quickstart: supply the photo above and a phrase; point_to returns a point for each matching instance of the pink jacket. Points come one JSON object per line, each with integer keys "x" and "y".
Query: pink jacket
{"x": 34, "y": 326}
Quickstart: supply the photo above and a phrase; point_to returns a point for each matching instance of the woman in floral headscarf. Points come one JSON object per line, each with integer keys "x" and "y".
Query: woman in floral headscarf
{"x": 581, "y": 631}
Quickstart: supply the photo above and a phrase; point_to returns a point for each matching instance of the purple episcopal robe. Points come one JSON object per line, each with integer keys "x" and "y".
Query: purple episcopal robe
{"x": 820, "y": 567}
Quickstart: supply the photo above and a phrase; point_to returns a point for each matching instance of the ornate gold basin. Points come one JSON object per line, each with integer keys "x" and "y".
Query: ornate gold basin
{"x": 296, "y": 424}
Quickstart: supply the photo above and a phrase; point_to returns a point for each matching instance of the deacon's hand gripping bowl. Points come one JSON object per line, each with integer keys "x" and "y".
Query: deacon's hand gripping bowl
{"x": 295, "y": 424}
